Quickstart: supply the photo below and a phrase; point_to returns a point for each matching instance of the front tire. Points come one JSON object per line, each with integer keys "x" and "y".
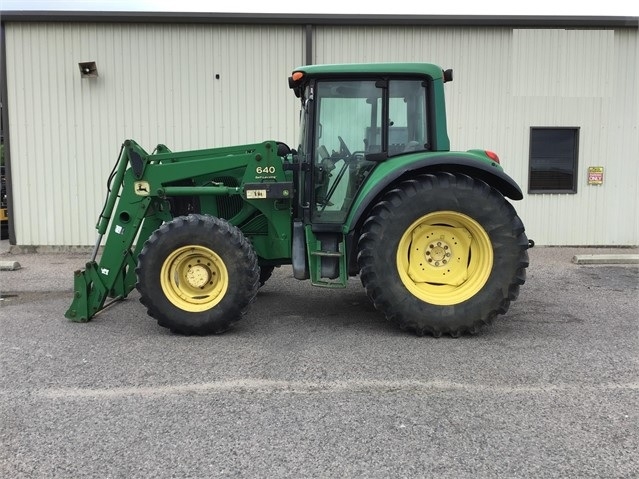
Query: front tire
{"x": 197, "y": 275}
{"x": 443, "y": 254}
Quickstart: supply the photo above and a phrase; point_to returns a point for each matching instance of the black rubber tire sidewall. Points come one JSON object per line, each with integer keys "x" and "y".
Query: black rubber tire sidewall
{"x": 228, "y": 243}
{"x": 412, "y": 199}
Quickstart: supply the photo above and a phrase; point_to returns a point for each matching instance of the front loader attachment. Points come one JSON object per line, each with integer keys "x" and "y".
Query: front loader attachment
{"x": 90, "y": 291}
{"x": 135, "y": 214}
{"x": 142, "y": 190}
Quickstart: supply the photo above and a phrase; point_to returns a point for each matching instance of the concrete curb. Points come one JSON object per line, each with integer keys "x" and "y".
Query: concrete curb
{"x": 606, "y": 259}
{"x": 9, "y": 265}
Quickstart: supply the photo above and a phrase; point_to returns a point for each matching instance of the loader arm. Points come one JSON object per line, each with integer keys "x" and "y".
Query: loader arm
{"x": 137, "y": 204}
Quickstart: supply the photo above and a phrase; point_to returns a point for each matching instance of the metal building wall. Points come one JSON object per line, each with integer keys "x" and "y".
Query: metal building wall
{"x": 508, "y": 80}
{"x": 157, "y": 84}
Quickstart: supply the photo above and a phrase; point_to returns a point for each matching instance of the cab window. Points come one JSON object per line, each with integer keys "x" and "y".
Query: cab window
{"x": 356, "y": 122}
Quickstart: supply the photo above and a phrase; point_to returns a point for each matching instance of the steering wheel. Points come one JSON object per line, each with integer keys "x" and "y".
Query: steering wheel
{"x": 344, "y": 152}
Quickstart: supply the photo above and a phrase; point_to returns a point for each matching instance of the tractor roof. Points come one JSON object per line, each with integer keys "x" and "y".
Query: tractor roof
{"x": 429, "y": 69}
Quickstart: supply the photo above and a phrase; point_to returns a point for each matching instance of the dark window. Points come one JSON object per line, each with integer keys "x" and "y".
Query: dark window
{"x": 553, "y": 160}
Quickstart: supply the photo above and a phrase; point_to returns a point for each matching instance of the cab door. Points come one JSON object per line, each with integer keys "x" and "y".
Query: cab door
{"x": 345, "y": 131}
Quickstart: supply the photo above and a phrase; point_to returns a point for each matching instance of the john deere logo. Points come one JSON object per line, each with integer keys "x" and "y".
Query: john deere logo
{"x": 142, "y": 188}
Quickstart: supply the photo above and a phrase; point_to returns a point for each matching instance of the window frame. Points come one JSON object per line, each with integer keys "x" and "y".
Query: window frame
{"x": 575, "y": 160}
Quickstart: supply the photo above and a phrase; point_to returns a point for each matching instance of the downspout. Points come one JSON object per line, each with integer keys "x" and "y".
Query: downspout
{"x": 309, "y": 45}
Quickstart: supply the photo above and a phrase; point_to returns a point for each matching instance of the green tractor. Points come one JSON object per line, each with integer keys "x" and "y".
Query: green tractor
{"x": 372, "y": 189}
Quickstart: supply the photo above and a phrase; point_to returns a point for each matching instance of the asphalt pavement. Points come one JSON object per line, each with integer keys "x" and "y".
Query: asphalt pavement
{"x": 315, "y": 383}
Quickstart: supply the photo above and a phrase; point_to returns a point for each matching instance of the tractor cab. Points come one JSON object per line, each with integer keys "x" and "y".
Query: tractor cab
{"x": 351, "y": 121}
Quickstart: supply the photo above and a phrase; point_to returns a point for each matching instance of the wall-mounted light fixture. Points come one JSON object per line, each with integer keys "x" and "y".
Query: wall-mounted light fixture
{"x": 88, "y": 70}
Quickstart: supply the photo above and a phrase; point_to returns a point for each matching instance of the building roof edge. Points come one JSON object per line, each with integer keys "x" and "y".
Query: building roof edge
{"x": 548, "y": 21}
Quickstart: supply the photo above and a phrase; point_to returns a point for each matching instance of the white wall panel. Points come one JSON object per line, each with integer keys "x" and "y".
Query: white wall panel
{"x": 157, "y": 84}
{"x": 507, "y": 81}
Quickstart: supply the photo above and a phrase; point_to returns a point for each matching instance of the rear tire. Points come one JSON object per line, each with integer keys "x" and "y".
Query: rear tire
{"x": 443, "y": 254}
{"x": 197, "y": 275}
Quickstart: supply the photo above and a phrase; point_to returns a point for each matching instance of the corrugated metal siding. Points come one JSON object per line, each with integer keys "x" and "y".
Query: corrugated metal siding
{"x": 507, "y": 81}
{"x": 156, "y": 84}
{"x": 594, "y": 87}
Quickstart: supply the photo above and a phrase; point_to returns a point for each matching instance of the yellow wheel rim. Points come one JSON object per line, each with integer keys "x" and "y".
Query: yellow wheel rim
{"x": 444, "y": 258}
{"x": 194, "y": 278}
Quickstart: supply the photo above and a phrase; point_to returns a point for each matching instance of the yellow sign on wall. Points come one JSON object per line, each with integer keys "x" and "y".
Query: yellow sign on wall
{"x": 595, "y": 175}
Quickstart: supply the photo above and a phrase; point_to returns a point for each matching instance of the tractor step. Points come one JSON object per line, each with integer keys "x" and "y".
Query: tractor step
{"x": 327, "y": 259}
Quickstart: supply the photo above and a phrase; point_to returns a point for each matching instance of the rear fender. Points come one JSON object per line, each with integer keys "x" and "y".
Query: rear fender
{"x": 490, "y": 173}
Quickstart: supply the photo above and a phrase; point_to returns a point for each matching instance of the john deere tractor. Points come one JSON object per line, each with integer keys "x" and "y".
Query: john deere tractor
{"x": 371, "y": 190}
